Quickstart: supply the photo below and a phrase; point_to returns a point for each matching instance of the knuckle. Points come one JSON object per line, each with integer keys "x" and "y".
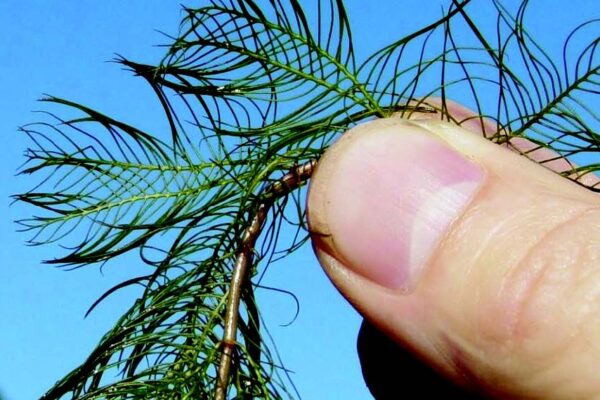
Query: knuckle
{"x": 548, "y": 310}
{"x": 560, "y": 281}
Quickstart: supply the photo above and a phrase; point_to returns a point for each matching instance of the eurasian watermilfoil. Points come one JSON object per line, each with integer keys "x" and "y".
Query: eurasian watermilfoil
{"x": 253, "y": 93}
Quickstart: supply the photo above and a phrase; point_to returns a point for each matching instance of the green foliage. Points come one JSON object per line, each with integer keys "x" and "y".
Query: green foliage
{"x": 249, "y": 90}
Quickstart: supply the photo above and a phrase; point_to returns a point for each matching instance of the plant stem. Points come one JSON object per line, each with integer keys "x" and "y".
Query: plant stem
{"x": 290, "y": 181}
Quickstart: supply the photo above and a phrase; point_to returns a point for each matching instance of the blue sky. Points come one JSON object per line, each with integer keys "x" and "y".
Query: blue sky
{"x": 61, "y": 47}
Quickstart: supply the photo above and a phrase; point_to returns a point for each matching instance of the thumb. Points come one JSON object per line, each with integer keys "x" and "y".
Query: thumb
{"x": 481, "y": 262}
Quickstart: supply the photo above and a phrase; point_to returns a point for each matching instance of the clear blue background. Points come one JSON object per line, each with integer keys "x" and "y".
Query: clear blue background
{"x": 60, "y": 47}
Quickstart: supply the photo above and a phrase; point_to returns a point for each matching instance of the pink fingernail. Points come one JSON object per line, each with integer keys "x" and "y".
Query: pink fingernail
{"x": 392, "y": 197}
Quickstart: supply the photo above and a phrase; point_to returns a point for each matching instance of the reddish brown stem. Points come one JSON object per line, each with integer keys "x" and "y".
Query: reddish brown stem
{"x": 282, "y": 187}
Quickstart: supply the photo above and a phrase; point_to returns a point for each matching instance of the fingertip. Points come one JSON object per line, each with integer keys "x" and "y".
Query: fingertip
{"x": 365, "y": 215}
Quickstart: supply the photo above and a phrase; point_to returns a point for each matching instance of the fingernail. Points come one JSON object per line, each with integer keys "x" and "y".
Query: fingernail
{"x": 392, "y": 196}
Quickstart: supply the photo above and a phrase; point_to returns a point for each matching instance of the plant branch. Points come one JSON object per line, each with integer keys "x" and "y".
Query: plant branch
{"x": 290, "y": 181}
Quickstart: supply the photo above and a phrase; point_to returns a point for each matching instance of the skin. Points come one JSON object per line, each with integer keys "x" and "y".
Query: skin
{"x": 505, "y": 300}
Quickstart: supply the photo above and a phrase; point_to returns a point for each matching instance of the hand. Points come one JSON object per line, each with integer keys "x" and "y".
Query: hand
{"x": 481, "y": 263}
